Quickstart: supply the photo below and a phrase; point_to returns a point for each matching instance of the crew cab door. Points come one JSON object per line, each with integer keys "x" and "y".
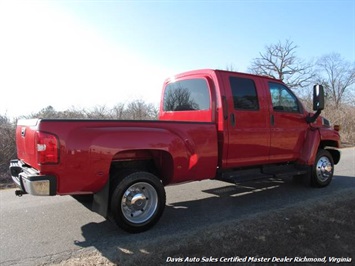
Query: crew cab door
{"x": 288, "y": 123}
{"x": 248, "y": 121}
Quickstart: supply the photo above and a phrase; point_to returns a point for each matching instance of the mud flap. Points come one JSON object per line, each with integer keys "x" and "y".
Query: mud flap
{"x": 100, "y": 201}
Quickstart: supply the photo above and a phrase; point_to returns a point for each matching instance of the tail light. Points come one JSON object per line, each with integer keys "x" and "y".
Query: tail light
{"x": 47, "y": 148}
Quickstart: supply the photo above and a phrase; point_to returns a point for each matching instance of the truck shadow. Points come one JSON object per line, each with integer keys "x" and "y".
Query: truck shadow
{"x": 234, "y": 203}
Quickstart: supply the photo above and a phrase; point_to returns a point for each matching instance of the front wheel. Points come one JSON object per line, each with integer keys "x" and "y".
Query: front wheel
{"x": 137, "y": 201}
{"x": 323, "y": 169}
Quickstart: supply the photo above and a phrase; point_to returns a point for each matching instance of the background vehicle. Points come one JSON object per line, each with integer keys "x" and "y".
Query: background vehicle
{"x": 212, "y": 124}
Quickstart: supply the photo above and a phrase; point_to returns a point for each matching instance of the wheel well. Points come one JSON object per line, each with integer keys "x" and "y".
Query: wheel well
{"x": 335, "y": 155}
{"x": 328, "y": 143}
{"x": 138, "y": 165}
{"x": 330, "y": 146}
{"x": 159, "y": 163}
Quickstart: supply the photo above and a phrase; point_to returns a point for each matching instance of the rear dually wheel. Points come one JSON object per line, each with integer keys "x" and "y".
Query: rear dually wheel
{"x": 137, "y": 201}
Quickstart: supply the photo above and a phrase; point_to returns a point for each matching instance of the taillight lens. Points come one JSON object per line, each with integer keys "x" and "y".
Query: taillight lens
{"x": 47, "y": 148}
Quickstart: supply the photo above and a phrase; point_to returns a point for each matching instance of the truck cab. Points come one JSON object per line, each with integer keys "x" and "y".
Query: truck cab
{"x": 259, "y": 119}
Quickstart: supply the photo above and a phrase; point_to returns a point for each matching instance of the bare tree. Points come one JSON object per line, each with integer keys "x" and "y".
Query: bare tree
{"x": 230, "y": 67}
{"x": 7, "y": 142}
{"x": 139, "y": 110}
{"x": 117, "y": 112}
{"x": 179, "y": 99}
{"x": 72, "y": 113}
{"x": 338, "y": 77}
{"x": 97, "y": 112}
{"x": 280, "y": 61}
{"x": 47, "y": 112}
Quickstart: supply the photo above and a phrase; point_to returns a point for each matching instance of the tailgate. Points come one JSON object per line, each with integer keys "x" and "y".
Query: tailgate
{"x": 25, "y": 141}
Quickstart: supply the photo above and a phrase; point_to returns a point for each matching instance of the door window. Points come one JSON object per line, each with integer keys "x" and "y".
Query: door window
{"x": 244, "y": 94}
{"x": 283, "y": 99}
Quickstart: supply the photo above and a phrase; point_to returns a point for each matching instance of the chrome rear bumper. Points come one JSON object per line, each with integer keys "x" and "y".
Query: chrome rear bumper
{"x": 30, "y": 181}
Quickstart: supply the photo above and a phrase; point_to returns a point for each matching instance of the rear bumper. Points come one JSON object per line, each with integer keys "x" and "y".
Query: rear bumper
{"x": 30, "y": 181}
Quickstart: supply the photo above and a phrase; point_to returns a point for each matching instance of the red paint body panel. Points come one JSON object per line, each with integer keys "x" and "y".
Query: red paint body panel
{"x": 309, "y": 150}
{"x": 317, "y": 134}
{"x": 25, "y": 142}
{"x": 87, "y": 149}
{"x": 193, "y": 145}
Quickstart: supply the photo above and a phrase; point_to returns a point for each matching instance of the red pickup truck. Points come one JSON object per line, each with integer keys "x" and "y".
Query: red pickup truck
{"x": 213, "y": 124}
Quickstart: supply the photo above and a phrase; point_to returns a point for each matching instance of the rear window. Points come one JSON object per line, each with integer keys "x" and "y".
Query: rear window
{"x": 187, "y": 95}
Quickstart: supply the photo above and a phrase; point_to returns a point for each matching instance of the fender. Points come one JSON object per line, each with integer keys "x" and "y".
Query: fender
{"x": 117, "y": 142}
{"x": 330, "y": 140}
{"x": 319, "y": 138}
{"x": 193, "y": 153}
{"x": 122, "y": 140}
{"x": 193, "y": 150}
{"x": 88, "y": 148}
{"x": 310, "y": 147}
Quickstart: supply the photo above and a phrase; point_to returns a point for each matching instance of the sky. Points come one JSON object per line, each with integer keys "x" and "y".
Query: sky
{"x": 82, "y": 54}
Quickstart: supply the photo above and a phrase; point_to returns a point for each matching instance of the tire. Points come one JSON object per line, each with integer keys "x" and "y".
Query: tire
{"x": 137, "y": 201}
{"x": 323, "y": 169}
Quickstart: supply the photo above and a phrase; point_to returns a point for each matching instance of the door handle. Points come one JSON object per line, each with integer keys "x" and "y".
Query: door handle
{"x": 232, "y": 119}
{"x": 225, "y": 108}
{"x": 272, "y": 120}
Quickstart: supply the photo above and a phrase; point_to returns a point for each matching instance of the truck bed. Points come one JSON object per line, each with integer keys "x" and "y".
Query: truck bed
{"x": 87, "y": 149}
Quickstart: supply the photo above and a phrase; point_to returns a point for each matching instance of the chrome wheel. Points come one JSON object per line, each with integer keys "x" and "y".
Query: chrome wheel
{"x": 139, "y": 202}
{"x": 324, "y": 169}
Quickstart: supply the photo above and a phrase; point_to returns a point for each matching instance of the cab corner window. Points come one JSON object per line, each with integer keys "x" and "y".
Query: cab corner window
{"x": 244, "y": 93}
{"x": 283, "y": 100}
{"x": 187, "y": 95}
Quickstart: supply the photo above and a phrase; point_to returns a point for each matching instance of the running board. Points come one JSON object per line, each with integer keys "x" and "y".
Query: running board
{"x": 263, "y": 172}
{"x": 282, "y": 171}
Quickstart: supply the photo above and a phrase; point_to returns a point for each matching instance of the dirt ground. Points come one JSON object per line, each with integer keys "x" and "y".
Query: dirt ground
{"x": 318, "y": 231}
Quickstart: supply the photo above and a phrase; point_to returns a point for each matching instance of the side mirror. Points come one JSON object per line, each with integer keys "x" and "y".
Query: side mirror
{"x": 318, "y": 98}
{"x": 318, "y": 103}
